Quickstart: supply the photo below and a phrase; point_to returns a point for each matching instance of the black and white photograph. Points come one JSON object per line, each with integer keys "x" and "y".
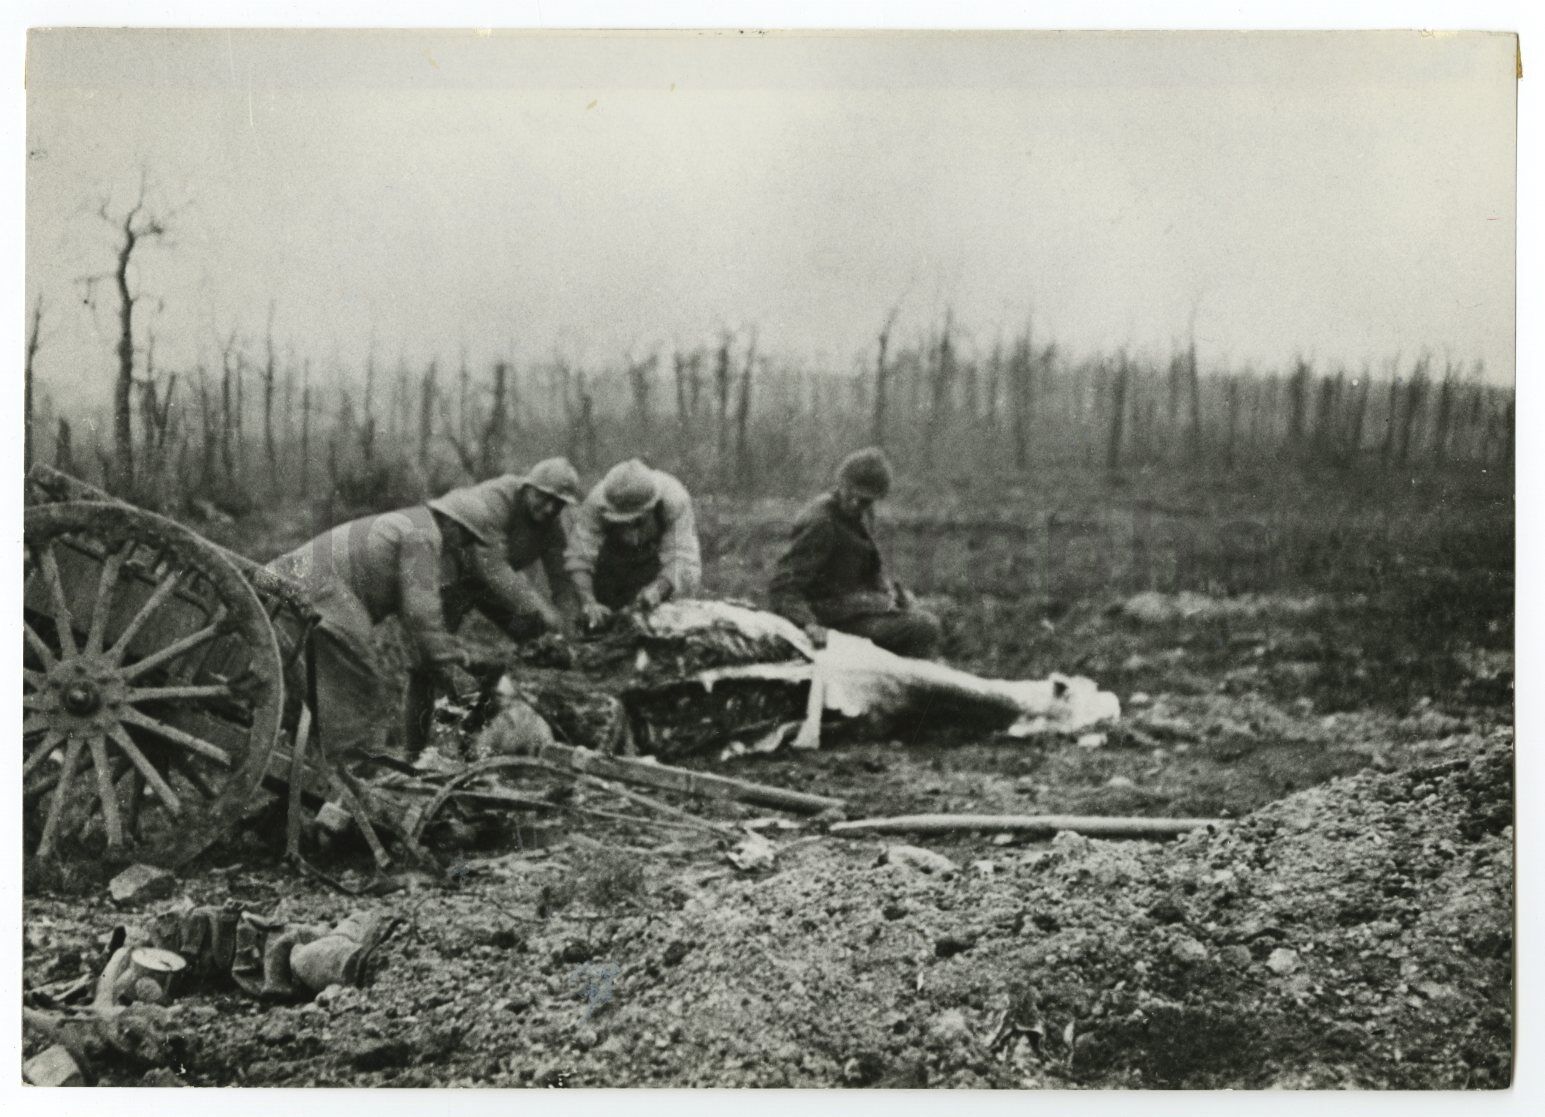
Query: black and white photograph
{"x": 755, "y": 557}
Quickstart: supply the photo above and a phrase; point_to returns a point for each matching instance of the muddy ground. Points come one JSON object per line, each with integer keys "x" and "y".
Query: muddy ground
{"x": 1351, "y": 926}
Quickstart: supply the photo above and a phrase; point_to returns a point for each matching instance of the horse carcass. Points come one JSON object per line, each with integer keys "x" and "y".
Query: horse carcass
{"x": 693, "y": 676}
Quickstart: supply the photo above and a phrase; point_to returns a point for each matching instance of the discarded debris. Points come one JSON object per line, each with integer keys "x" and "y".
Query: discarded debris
{"x": 754, "y": 854}
{"x": 54, "y": 1066}
{"x": 96, "y": 1037}
{"x": 140, "y": 883}
{"x": 154, "y": 974}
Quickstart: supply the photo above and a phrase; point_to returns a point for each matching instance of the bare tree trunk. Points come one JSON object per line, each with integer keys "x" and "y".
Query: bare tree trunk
{"x": 939, "y": 389}
{"x": 464, "y": 383}
{"x": 492, "y": 451}
{"x": 722, "y": 387}
{"x": 1022, "y": 393}
{"x": 743, "y": 416}
{"x": 587, "y": 425}
{"x": 1177, "y": 376}
{"x": 1353, "y": 447}
{"x": 227, "y": 454}
{"x": 1391, "y": 419}
{"x": 426, "y": 402}
{"x": 241, "y": 414}
{"x": 642, "y": 385}
{"x": 332, "y": 473}
{"x": 1440, "y": 434}
{"x": 34, "y": 336}
{"x": 288, "y": 433}
{"x": 1118, "y": 410}
{"x": 1298, "y": 391}
{"x": 1194, "y": 389}
{"x": 1326, "y": 406}
{"x": 994, "y": 388}
{"x": 305, "y": 434}
{"x": 123, "y": 434}
{"x": 206, "y": 426}
{"x": 1416, "y": 398}
{"x": 882, "y": 380}
{"x": 269, "y": 376}
{"x": 64, "y": 448}
{"x": 369, "y": 402}
{"x": 679, "y": 367}
{"x": 1231, "y": 417}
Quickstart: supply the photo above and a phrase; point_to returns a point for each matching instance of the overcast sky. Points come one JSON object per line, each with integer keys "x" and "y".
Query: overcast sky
{"x": 1346, "y": 196}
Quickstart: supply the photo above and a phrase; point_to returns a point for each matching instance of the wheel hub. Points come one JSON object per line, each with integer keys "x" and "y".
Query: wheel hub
{"x": 81, "y": 699}
{"x": 87, "y": 691}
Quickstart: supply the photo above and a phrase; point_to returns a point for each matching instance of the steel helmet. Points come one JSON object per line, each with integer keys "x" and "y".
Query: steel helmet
{"x": 557, "y": 478}
{"x": 629, "y": 490}
{"x": 867, "y": 472}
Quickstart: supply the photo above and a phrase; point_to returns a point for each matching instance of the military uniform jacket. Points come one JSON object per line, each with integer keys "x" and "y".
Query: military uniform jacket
{"x": 394, "y": 564}
{"x": 832, "y": 570}
{"x": 508, "y": 540}
{"x": 680, "y": 558}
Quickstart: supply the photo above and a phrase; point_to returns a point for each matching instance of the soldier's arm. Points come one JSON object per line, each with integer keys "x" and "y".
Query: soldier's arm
{"x": 559, "y": 582}
{"x": 584, "y": 546}
{"x": 504, "y": 597}
{"x": 681, "y": 560}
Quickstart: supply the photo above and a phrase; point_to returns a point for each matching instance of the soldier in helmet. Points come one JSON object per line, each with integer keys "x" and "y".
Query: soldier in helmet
{"x": 517, "y": 523}
{"x": 832, "y": 574}
{"x": 634, "y": 542}
{"x": 426, "y": 566}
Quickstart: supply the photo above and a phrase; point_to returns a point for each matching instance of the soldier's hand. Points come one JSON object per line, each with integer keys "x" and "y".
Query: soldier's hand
{"x": 650, "y": 597}
{"x": 593, "y": 614}
{"x": 902, "y": 594}
{"x": 816, "y": 633}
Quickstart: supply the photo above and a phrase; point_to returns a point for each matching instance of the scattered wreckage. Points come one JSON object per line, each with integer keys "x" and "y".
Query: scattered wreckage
{"x": 169, "y": 694}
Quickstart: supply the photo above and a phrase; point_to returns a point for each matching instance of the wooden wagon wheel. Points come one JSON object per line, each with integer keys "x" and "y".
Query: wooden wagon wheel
{"x": 152, "y": 684}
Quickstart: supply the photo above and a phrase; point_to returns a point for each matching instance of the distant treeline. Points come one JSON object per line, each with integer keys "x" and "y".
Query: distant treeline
{"x": 730, "y": 418}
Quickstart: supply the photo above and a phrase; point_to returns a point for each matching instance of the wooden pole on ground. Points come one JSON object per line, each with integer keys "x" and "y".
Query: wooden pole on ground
{"x": 1043, "y": 825}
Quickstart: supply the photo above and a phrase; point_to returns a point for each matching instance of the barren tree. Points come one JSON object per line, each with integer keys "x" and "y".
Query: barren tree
{"x": 882, "y": 377}
{"x": 305, "y": 428}
{"x": 1354, "y": 442}
{"x": 1416, "y": 399}
{"x": 492, "y": 452}
{"x": 64, "y": 447}
{"x": 268, "y": 374}
{"x": 679, "y": 367}
{"x": 722, "y": 385}
{"x": 155, "y": 411}
{"x": 134, "y": 228}
{"x": 229, "y": 369}
{"x": 1118, "y": 409}
{"x": 743, "y": 414}
{"x": 464, "y": 385}
{"x": 939, "y": 390}
{"x": 426, "y": 401}
{"x": 641, "y": 382}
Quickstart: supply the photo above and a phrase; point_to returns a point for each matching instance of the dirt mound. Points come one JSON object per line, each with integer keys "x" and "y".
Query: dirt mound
{"x": 1357, "y": 933}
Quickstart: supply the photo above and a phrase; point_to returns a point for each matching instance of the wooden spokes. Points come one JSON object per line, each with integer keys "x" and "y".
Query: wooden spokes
{"x": 150, "y": 661}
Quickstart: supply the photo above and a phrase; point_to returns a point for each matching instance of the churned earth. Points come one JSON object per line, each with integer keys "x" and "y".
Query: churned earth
{"x": 1349, "y": 923}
